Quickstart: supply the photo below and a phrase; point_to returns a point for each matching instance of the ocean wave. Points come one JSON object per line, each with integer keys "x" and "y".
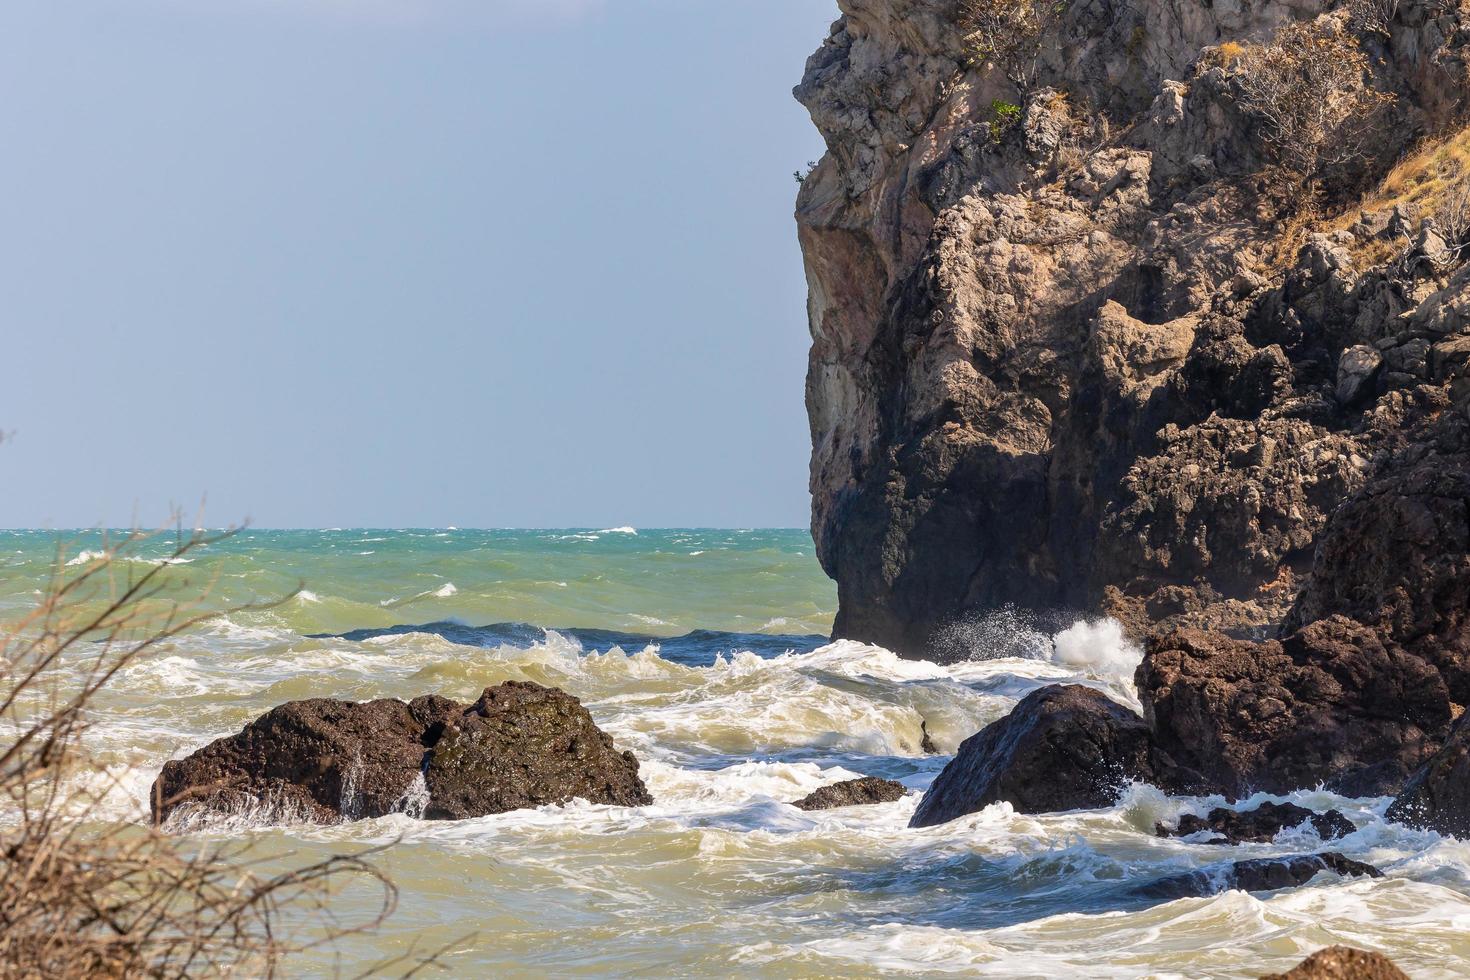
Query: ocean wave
{"x": 726, "y": 747}
{"x": 88, "y": 557}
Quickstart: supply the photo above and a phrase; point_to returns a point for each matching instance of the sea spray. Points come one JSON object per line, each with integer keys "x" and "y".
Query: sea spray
{"x": 721, "y": 873}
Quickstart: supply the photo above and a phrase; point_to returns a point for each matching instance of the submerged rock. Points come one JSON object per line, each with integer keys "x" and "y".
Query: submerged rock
{"x": 1330, "y": 704}
{"x": 1342, "y": 963}
{"x": 323, "y": 761}
{"x": 1065, "y": 747}
{"x": 1259, "y": 875}
{"x": 1261, "y": 825}
{"x": 853, "y": 792}
{"x": 1437, "y": 797}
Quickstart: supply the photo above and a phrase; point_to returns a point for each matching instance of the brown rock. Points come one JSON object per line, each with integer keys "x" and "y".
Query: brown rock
{"x": 323, "y": 761}
{"x": 853, "y": 792}
{"x": 1437, "y": 797}
{"x": 317, "y": 761}
{"x": 1397, "y": 553}
{"x": 524, "y": 745}
{"x": 1056, "y": 367}
{"x": 1342, "y": 963}
{"x": 1062, "y": 748}
{"x": 1330, "y": 704}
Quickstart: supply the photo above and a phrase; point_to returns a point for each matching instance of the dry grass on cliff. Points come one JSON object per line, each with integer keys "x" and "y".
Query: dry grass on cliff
{"x": 84, "y": 893}
{"x": 1430, "y": 181}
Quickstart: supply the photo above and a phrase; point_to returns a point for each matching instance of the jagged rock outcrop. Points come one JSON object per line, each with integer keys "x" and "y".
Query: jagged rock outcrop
{"x": 853, "y": 792}
{"x": 1259, "y": 826}
{"x": 1070, "y": 355}
{"x": 1331, "y": 704}
{"x": 1065, "y": 747}
{"x": 1258, "y": 875}
{"x": 1437, "y": 796}
{"x": 1342, "y": 963}
{"x": 323, "y": 761}
{"x": 1396, "y": 555}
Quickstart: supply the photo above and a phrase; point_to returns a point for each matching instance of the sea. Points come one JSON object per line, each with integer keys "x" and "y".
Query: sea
{"x": 705, "y": 652}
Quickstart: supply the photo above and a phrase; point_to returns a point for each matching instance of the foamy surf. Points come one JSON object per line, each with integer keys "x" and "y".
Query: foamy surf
{"x": 721, "y": 874}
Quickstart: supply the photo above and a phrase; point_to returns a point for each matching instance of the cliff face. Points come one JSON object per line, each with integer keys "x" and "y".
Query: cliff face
{"x": 1073, "y": 349}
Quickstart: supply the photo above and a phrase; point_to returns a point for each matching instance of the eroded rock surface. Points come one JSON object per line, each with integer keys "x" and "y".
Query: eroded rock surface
{"x": 1342, "y": 963}
{"x": 853, "y": 792}
{"x": 1331, "y": 704}
{"x": 1259, "y": 826}
{"x": 1068, "y": 356}
{"x": 323, "y": 761}
{"x": 1396, "y": 555}
{"x": 1065, "y": 747}
{"x": 1437, "y": 796}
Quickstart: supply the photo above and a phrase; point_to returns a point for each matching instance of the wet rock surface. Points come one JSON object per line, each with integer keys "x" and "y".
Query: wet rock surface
{"x": 324, "y": 761}
{"x": 1437, "y": 796}
{"x": 853, "y": 792}
{"x": 1331, "y": 704}
{"x": 1343, "y": 963}
{"x": 1065, "y": 747}
{"x": 1259, "y": 826}
{"x": 1259, "y": 875}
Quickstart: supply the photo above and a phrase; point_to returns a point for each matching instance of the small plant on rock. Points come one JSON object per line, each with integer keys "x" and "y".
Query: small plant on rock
{"x": 1004, "y": 116}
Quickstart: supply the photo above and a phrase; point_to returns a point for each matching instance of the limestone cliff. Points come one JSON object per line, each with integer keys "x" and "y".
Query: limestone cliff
{"x": 1079, "y": 343}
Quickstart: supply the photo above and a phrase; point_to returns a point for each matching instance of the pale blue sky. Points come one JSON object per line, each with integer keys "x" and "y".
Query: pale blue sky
{"x": 404, "y": 262}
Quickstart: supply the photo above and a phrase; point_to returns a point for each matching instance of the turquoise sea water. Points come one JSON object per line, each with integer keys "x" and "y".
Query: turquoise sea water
{"x": 646, "y": 584}
{"x": 704, "y": 653}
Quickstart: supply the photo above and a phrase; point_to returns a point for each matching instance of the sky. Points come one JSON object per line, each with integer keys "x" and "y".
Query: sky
{"x": 403, "y": 263}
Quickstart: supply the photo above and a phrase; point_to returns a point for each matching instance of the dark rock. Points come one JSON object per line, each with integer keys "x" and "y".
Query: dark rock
{"x": 1259, "y": 875}
{"x": 1437, "y": 797}
{"x": 853, "y": 792}
{"x": 315, "y": 760}
{"x": 323, "y": 761}
{"x": 1342, "y": 963}
{"x": 1261, "y": 825}
{"x": 1396, "y": 555}
{"x": 523, "y": 745}
{"x": 1062, "y": 748}
{"x": 1329, "y": 705}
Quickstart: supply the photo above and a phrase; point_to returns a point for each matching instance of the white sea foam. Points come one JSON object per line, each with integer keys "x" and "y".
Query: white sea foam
{"x": 618, "y": 530}
{"x": 88, "y": 557}
{"x": 725, "y": 748}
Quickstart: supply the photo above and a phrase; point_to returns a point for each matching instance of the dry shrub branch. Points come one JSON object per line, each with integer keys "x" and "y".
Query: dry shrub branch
{"x": 1308, "y": 92}
{"x": 1009, "y": 34}
{"x": 83, "y": 894}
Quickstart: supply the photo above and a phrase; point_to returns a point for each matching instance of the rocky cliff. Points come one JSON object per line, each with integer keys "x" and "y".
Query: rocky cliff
{"x": 1155, "y": 308}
